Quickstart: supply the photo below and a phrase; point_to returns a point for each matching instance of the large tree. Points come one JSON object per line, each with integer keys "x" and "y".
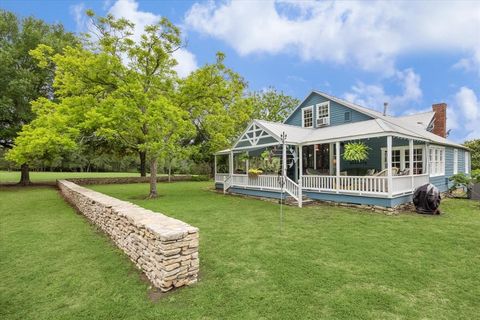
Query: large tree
{"x": 215, "y": 98}
{"x": 272, "y": 105}
{"x": 118, "y": 89}
{"x": 21, "y": 79}
{"x": 474, "y": 146}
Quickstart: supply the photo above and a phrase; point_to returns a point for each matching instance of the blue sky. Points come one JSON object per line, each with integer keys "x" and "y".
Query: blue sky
{"x": 411, "y": 54}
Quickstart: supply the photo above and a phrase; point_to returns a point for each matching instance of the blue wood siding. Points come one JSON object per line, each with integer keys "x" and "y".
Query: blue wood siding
{"x": 337, "y": 112}
{"x": 373, "y": 201}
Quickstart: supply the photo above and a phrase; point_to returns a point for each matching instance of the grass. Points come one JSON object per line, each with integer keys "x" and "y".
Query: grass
{"x": 329, "y": 262}
{"x": 14, "y": 176}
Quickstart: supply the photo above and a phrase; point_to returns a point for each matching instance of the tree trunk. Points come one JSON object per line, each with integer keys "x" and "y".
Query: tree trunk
{"x": 25, "y": 175}
{"x": 169, "y": 170}
{"x": 153, "y": 178}
{"x": 143, "y": 163}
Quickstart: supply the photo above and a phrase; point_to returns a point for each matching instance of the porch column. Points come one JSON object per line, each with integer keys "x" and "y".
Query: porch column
{"x": 284, "y": 160}
{"x": 427, "y": 159}
{"x": 300, "y": 166}
{"x": 247, "y": 164}
{"x": 389, "y": 166}
{"x": 230, "y": 163}
{"x": 337, "y": 166}
{"x": 314, "y": 157}
{"x": 410, "y": 158}
{"x": 215, "y": 167}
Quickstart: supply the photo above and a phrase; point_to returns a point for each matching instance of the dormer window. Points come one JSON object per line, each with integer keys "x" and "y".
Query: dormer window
{"x": 307, "y": 117}
{"x": 323, "y": 114}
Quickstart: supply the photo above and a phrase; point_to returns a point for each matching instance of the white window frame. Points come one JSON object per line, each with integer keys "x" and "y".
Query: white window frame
{"x": 436, "y": 159}
{"x": 303, "y": 116}
{"x": 403, "y": 162}
{"x": 317, "y": 109}
{"x": 467, "y": 161}
{"x": 455, "y": 161}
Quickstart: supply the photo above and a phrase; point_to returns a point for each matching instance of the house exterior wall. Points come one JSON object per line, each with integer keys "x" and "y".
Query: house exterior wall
{"x": 337, "y": 112}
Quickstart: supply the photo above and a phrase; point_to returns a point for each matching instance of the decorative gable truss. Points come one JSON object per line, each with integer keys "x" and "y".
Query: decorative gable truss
{"x": 255, "y": 135}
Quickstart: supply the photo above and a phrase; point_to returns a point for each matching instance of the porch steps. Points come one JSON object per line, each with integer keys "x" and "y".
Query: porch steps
{"x": 305, "y": 201}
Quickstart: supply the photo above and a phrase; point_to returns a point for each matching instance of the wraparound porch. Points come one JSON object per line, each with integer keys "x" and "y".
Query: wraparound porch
{"x": 316, "y": 169}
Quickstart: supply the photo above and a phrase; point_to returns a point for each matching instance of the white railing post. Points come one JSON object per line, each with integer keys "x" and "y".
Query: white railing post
{"x": 337, "y": 166}
{"x": 410, "y": 147}
{"x": 300, "y": 174}
{"x": 389, "y": 166}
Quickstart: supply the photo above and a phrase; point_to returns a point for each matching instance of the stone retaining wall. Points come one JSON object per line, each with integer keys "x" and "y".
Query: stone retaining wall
{"x": 165, "y": 249}
{"x": 124, "y": 180}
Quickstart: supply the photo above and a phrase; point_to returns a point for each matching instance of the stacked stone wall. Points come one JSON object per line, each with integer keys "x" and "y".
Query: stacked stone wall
{"x": 165, "y": 249}
{"x": 125, "y": 180}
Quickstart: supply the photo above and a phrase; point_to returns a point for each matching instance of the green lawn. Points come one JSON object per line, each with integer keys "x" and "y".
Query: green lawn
{"x": 14, "y": 176}
{"x": 332, "y": 263}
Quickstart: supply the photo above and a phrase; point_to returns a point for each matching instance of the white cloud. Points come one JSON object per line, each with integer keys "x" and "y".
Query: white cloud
{"x": 373, "y": 95}
{"x": 78, "y": 12}
{"x": 346, "y": 32}
{"x": 466, "y": 114}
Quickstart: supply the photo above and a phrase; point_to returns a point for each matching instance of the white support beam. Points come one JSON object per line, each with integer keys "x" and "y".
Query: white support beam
{"x": 300, "y": 166}
{"x": 389, "y": 166}
{"x": 247, "y": 163}
{"x": 337, "y": 165}
{"x": 230, "y": 163}
{"x": 215, "y": 166}
{"x": 284, "y": 160}
{"x": 314, "y": 157}
{"x": 427, "y": 159}
{"x": 410, "y": 159}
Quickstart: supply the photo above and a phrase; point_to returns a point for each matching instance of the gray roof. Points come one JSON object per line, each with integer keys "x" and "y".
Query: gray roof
{"x": 411, "y": 126}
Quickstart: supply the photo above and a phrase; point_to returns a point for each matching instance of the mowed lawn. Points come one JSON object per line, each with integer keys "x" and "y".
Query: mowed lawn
{"x": 329, "y": 262}
{"x": 14, "y": 176}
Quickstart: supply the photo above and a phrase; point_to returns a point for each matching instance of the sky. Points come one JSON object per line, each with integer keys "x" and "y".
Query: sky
{"x": 410, "y": 54}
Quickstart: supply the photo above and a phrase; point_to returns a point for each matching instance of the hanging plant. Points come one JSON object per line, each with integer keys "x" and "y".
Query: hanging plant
{"x": 243, "y": 156}
{"x": 355, "y": 151}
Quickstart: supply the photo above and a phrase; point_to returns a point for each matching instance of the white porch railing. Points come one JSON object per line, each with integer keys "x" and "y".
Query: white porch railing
{"x": 407, "y": 184}
{"x": 293, "y": 189}
{"x": 346, "y": 184}
{"x": 219, "y": 177}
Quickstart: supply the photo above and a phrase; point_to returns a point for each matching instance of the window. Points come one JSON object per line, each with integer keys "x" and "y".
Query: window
{"x": 307, "y": 117}
{"x": 323, "y": 114}
{"x": 455, "y": 161}
{"x": 401, "y": 158}
{"x": 436, "y": 159}
{"x": 347, "y": 116}
{"x": 467, "y": 162}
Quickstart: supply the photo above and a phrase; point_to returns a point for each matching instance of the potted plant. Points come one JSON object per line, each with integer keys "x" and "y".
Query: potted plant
{"x": 355, "y": 151}
{"x": 254, "y": 173}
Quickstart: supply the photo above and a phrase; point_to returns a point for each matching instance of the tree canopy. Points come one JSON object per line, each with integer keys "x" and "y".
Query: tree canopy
{"x": 474, "y": 146}
{"x": 21, "y": 79}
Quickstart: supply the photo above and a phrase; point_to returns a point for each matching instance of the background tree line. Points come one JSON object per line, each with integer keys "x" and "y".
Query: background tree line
{"x": 105, "y": 101}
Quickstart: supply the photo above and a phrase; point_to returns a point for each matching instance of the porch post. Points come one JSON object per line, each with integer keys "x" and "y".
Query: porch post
{"x": 389, "y": 166}
{"x": 230, "y": 163}
{"x": 314, "y": 157}
{"x": 284, "y": 160}
{"x": 410, "y": 158}
{"x": 247, "y": 164}
{"x": 215, "y": 167}
{"x": 427, "y": 159}
{"x": 300, "y": 171}
{"x": 337, "y": 166}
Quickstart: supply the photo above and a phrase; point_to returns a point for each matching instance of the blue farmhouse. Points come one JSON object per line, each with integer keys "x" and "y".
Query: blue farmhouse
{"x": 303, "y": 157}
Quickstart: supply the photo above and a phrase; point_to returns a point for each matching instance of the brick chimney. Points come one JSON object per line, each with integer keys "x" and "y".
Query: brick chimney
{"x": 440, "y": 119}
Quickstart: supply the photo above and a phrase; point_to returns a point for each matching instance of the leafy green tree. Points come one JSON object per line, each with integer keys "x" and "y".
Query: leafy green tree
{"x": 272, "y": 105}
{"x": 215, "y": 98}
{"x": 474, "y": 146}
{"x": 21, "y": 79}
{"x": 118, "y": 89}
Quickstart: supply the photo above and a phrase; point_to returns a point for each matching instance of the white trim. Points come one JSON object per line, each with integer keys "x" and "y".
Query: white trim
{"x": 455, "y": 161}
{"x": 436, "y": 160}
{"x": 303, "y": 118}
{"x": 402, "y": 155}
{"x": 317, "y": 116}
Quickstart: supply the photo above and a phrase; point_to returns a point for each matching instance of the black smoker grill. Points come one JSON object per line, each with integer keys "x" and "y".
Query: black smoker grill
{"x": 427, "y": 199}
